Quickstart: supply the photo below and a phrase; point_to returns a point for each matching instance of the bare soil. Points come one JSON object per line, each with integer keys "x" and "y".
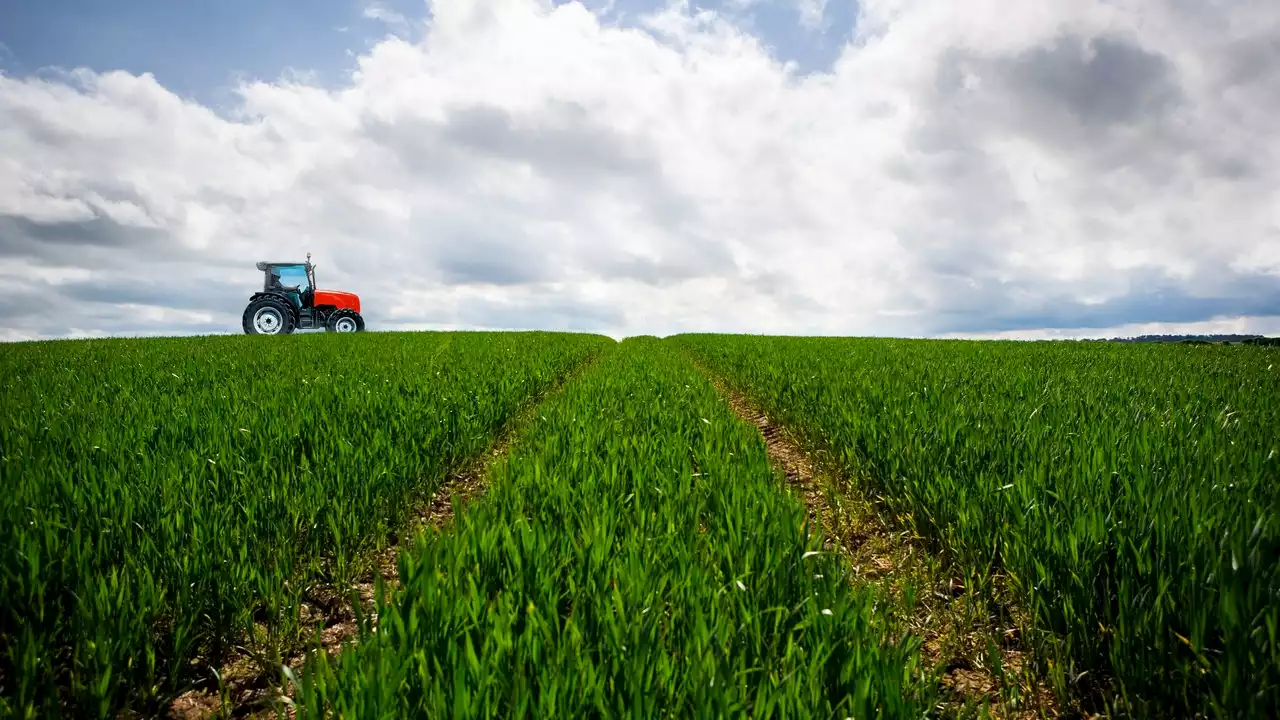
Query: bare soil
{"x": 955, "y": 621}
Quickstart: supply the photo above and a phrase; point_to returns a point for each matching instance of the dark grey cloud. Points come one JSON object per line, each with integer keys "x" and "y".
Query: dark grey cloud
{"x": 61, "y": 309}
{"x": 1101, "y": 81}
{"x": 26, "y": 303}
{"x": 1231, "y": 167}
{"x": 23, "y": 237}
{"x": 125, "y": 266}
{"x": 991, "y": 305}
{"x": 162, "y": 287}
{"x": 1106, "y": 100}
{"x": 1254, "y": 60}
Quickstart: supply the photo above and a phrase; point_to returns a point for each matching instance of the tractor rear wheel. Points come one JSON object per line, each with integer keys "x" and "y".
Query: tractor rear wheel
{"x": 267, "y": 316}
{"x": 345, "y": 321}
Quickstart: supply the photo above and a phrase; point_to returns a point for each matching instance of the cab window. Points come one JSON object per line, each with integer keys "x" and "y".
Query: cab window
{"x": 294, "y": 276}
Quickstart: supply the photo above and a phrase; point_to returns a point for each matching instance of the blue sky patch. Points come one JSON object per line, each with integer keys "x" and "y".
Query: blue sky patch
{"x": 198, "y": 49}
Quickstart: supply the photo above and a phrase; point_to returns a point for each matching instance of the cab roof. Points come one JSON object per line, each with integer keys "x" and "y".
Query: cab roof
{"x": 264, "y": 265}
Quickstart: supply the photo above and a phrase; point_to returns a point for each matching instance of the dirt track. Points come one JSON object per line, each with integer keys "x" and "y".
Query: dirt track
{"x": 954, "y": 622}
{"x": 253, "y": 693}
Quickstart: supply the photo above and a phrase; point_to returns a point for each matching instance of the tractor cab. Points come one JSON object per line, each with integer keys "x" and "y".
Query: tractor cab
{"x": 290, "y": 301}
{"x": 292, "y": 279}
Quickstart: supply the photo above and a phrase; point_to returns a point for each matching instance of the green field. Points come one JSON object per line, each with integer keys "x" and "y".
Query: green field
{"x": 633, "y": 556}
{"x": 1130, "y": 494}
{"x": 171, "y": 503}
{"x": 160, "y": 496}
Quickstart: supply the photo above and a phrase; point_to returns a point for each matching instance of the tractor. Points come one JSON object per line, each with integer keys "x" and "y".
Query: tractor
{"x": 290, "y": 301}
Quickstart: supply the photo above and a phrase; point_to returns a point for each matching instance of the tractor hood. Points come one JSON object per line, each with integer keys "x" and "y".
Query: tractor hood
{"x": 337, "y": 298}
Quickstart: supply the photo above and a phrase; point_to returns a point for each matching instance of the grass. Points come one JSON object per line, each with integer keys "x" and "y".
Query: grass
{"x": 167, "y": 500}
{"x": 168, "y": 504}
{"x": 1128, "y": 495}
{"x": 634, "y": 556}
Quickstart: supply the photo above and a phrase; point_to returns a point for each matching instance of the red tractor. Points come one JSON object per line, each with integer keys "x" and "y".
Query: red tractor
{"x": 290, "y": 301}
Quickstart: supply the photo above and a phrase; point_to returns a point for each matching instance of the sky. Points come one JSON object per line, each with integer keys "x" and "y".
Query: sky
{"x": 914, "y": 168}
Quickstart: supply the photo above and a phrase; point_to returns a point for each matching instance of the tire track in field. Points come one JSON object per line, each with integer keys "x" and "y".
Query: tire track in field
{"x": 255, "y": 694}
{"x": 879, "y": 551}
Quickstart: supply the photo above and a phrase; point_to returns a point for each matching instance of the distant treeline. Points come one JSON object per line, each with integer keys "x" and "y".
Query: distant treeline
{"x": 1201, "y": 339}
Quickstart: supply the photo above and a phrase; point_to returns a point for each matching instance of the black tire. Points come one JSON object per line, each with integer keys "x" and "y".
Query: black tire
{"x": 344, "y": 321}
{"x": 257, "y": 318}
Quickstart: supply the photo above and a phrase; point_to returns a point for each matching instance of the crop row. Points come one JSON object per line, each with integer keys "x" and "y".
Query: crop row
{"x": 633, "y": 556}
{"x": 1130, "y": 493}
{"x": 161, "y": 500}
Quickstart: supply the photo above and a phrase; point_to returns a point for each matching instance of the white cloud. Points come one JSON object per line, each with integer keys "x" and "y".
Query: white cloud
{"x": 380, "y": 12}
{"x": 975, "y": 167}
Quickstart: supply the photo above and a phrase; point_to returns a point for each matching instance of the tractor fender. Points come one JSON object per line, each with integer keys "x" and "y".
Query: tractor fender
{"x": 282, "y": 297}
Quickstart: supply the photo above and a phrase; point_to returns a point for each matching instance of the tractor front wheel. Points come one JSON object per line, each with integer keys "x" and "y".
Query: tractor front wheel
{"x": 267, "y": 316}
{"x": 345, "y": 321}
